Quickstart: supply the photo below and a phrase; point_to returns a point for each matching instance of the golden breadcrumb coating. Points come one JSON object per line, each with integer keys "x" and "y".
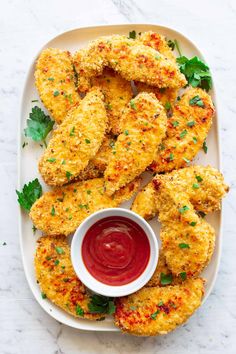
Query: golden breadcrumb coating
{"x": 62, "y": 210}
{"x": 130, "y": 58}
{"x": 167, "y": 96}
{"x": 57, "y": 278}
{"x": 187, "y": 130}
{"x": 117, "y": 92}
{"x": 55, "y": 81}
{"x": 75, "y": 141}
{"x": 187, "y": 239}
{"x": 157, "y": 42}
{"x": 206, "y": 197}
{"x": 143, "y": 127}
{"x": 162, "y": 275}
{"x": 98, "y": 164}
{"x": 158, "y": 310}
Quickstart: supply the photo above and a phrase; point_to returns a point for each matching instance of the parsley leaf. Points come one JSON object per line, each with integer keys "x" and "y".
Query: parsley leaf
{"x": 183, "y": 275}
{"x": 183, "y": 133}
{"x": 59, "y": 250}
{"x": 132, "y": 34}
{"x": 171, "y": 44}
{"x": 183, "y": 209}
{"x": 30, "y": 193}
{"x": 39, "y": 125}
{"x": 171, "y": 157}
{"x": 133, "y": 105}
{"x": 175, "y": 123}
{"x": 193, "y": 223}
{"x": 199, "y": 178}
{"x": 166, "y": 279}
{"x": 196, "y": 101}
{"x": 101, "y": 304}
{"x": 183, "y": 245}
{"x": 154, "y": 315}
{"x": 79, "y": 311}
{"x": 191, "y": 124}
{"x": 195, "y": 186}
{"x": 204, "y": 146}
{"x": 196, "y": 72}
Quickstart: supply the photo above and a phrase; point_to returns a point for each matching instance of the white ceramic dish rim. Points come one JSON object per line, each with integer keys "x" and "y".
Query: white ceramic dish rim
{"x": 163, "y": 27}
{"x": 81, "y": 270}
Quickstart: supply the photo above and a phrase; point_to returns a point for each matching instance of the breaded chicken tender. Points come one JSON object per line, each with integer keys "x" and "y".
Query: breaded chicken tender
{"x": 130, "y": 58}
{"x": 75, "y": 142}
{"x": 62, "y": 210}
{"x": 187, "y": 239}
{"x": 162, "y": 275}
{"x": 166, "y": 96}
{"x": 55, "y": 81}
{"x": 57, "y": 279}
{"x": 117, "y": 92}
{"x": 157, "y": 42}
{"x": 158, "y": 310}
{"x": 98, "y": 164}
{"x": 143, "y": 127}
{"x": 186, "y": 131}
{"x": 204, "y": 186}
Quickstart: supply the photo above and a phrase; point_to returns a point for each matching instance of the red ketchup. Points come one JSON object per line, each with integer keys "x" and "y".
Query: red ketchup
{"x": 115, "y": 250}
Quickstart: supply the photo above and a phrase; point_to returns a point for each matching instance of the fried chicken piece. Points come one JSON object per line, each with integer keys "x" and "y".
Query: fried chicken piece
{"x": 187, "y": 239}
{"x": 55, "y": 81}
{"x": 144, "y": 126}
{"x": 204, "y": 186}
{"x": 75, "y": 142}
{"x": 62, "y": 210}
{"x": 57, "y": 278}
{"x": 117, "y": 92}
{"x": 130, "y": 58}
{"x": 158, "y": 310}
{"x": 98, "y": 164}
{"x": 186, "y": 131}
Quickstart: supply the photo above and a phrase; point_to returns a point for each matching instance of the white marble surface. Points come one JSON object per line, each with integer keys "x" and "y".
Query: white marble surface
{"x": 24, "y": 27}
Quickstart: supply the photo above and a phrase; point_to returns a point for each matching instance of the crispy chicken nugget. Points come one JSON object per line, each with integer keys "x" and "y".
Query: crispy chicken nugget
{"x": 57, "y": 279}
{"x": 158, "y": 310}
{"x": 144, "y": 126}
{"x": 75, "y": 141}
{"x": 205, "y": 187}
{"x": 55, "y": 81}
{"x": 131, "y": 59}
{"x": 117, "y": 92}
{"x": 187, "y": 239}
{"x": 186, "y": 131}
{"x": 62, "y": 210}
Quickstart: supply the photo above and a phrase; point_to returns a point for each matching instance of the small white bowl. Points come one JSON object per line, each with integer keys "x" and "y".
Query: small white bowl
{"x": 81, "y": 270}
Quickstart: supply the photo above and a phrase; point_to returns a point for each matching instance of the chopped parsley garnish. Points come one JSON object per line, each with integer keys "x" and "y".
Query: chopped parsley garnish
{"x": 79, "y": 311}
{"x": 195, "y": 140}
{"x": 68, "y": 175}
{"x": 186, "y": 160}
{"x": 30, "y": 193}
{"x": 202, "y": 214}
{"x": 53, "y": 212}
{"x": 39, "y": 125}
{"x": 191, "y": 124}
{"x": 167, "y": 105}
{"x": 52, "y": 159}
{"x": 81, "y": 206}
{"x": 196, "y": 186}
{"x": 183, "y": 275}
{"x": 133, "y": 308}
{"x": 72, "y": 132}
{"x": 161, "y": 303}
{"x": 166, "y": 279}
{"x": 183, "y": 209}
{"x": 56, "y": 262}
{"x": 204, "y": 146}
{"x": 199, "y": 178}
{"x": 59, "y": 250}
{"x": 183, "y": 133}
{"x": 196, "y": 72}
{"x": 43, "y": 295}
{"x": 51, "y": 78}
{"x": 24, "y": 144}
{"x": 171, "y": 44}
{"x": 183, "y": 245}
{"x": 87, "y": 141}
{"x": 88, "y": 191}
{"x": 101, "y": 304}
{"x": 175, "y": 123}
{"x": 112, "y": 144}
{"x": 126, "y": 132}
{"x": 56, "y": 93}
{"x": 108, "y": 106}
{"x": 193, "y": 223}
{"x": 63, "y": 162}
{"x": 132, "y": 34}
{"x": 133, "y": 105}
{"x": 196, "y": 101}
{"x": 34, "y": 229}
{"x": 33, "y": 101}
{"x": 154, "y": 315}
{"x": 4, "y": 244}
{"x": 171, "y": 157}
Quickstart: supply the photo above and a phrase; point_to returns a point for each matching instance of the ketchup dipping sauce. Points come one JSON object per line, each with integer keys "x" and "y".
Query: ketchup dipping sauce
{"x": 115, "y": 250}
